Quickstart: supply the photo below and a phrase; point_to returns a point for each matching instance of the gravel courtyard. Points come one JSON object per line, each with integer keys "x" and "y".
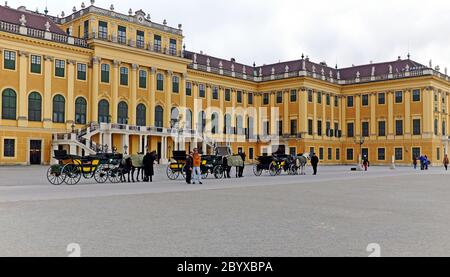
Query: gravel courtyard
{"x": 338, "y": 213}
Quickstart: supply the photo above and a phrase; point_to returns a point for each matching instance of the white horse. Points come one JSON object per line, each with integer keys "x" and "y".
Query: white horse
{"x": 302, "y": 162}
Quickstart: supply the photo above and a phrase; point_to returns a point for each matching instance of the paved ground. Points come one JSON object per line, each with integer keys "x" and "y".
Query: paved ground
{"x": 337, "y": 213}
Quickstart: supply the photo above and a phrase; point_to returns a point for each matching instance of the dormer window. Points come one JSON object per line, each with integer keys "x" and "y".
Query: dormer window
{"x": 102, "y": 30}
{"x": 122, "y": 35}
{"x": 140, "y": 39}
{"x": 157, "y": 42}
{"x": 173, "y": 47}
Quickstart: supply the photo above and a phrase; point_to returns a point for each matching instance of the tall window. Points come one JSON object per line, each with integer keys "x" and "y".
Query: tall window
{"x": 266, "y": 99}
{"x": 279, "y": 97}
{"x": 103, "y": 30}
{"x": 250, "y": 98}
{"x": 175, "y": 84}
{"x": 350, "y": 129}
{"x": 350, "y": 101}
{"x": 59, "y": 109}
{"x": 105, "y": 73}
{"x": 160, "y": 82}
{"x": 173, "y": 47}
{"x": 336, "y": 101}
{"x": 141, "y": 115}
{"x": 188, "y": 88}
{"x": 365, "y": 100}
{"x": 9, "y": 148}
{"x": 34, "y": 107}
{"x": 201, "y": 91}
{"x": 188, "y": 119}
{"x": 9, "y": 104}
{"x": 103, "y": 112}
{"x": 9, "y": 60}
{"x": 310, "y": 127}
{"x": 81, "y": 71}
{"x": 399, "y": 154}
{"x": 399, "y": 97}
{"x": 293, "y": 127}
{"x": 399, "y": 127}
{"x": 416, "y": 95}
{"x": 416, "y": 127}
{"x": 444, "y": 128}
{"x": 122, "y": 34}
{"x": 36, "y": 64}
{"x": 319, "y": 97}
{"x": 86, "y": 29}
{"x": 251, "y": 127}
{"x": 328, "y": 99}
{"x": 365, "y": 129}
{"x": 381, "y": 128}
{"x": 293, "y": 95}
{"x": 122, "y": 115}
{"x": 310, "y": 96}
{"x": 227, "y": 95}
{"x": 350, "y": 154}
{"x": 239, "y": 97}
{"x": 228, "y": 128}
{"x": 436, "y": 127}
{"x": 80, "y": 110}
{"x": 215, "y": 93}
{"x": 140, "y": 39}
{"x": 174, "y": 117}
{"x": 381, "y": 98}
{"x": 60, "y": 68}
{"x": 159, "y": 117}
{"x": 157, "y": 43}
{"x": 142, "y": 79}
{"x": 381, "y": 154}
{"x": 319, "y": 127}
{"x": 124, "y": 76}
{"x": 240, "y": 125}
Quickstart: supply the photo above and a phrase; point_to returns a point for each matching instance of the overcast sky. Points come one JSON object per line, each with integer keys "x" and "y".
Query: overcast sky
{"x": 345, "y": 32}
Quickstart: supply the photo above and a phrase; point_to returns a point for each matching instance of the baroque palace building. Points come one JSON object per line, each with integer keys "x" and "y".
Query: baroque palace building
{"x": 101, "y": 80}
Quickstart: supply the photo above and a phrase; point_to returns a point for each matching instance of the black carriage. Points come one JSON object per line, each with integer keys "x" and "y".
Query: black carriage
{"x": 275, "y": 165}
{"x": 176, "y": 168}
{"x": 212, "y": 165}
{"x": 71, "y": 168}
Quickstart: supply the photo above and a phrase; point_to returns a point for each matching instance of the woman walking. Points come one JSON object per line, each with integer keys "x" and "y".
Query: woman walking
{"x": 446, "y": 162}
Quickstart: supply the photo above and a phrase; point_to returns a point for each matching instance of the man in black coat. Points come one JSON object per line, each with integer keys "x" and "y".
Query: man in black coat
{"x": 241, "y": 169}
{"x": 314, "y": 163}
{"x": 188, "y": 168}
{"x": 149, "y": 161}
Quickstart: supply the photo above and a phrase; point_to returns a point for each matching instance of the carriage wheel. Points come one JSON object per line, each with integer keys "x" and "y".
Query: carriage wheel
{"x": 114, "y": 175}
{"x": 72, "y": 174}
{"x": 55, "y": 177}
{"x": 274, "y": 169}
{"x": 218, "y": 172}
{"x": 172, "y": 174}
{"x": 257, "y": 170}
{"x": 101, "y": 174}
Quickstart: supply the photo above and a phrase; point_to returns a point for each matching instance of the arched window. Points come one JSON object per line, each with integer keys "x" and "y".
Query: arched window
{"x": 103, "y": 111}
{"x": 228, "y": 128}
{"x": 80, "y": 110}
{"x": 59, "y": 109}
{"x": 9, "y": 104}
{"x": 122, "y": 115}
{"x": 141, "y": 115}
{"x": 240, "y": 125}
{"x": 215, "y": 123}
{"x": 34, "y": 107}
{"x": 201, "y": 124}
{"x": 159, "y": 117}
{"x": 174, "y": 117}
{"x": 188, "y": 119}
{"x": 251, "y": 127}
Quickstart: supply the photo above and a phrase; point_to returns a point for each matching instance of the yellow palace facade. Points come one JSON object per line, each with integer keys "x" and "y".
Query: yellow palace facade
{"x": 99, "y": 80}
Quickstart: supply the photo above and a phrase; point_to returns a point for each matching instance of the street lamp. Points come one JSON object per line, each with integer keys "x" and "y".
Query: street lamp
{"x": 360, "y": 141}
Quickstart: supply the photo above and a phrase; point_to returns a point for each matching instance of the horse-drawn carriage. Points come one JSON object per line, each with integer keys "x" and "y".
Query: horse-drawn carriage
{"x": 71, "y": 168}
{"x": 279, "y": 163}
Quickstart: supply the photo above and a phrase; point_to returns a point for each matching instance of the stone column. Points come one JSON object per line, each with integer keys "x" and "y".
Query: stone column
{"x": 286, "y": 123}
{"x": 315, "y": 129}
{"x": 168, "y": 99}
{"x": 94, "y": 92}
{"x": 115, "y": 91}
{"x": 152, "y": 92}
{"x": 391, "y": 129}
{"x": 303, "y": 111}
{"x": 22, "y": 97}
{"x": 428, "y": 112}
{"x": 324, "y": 114}
{"x": 408, "y": 113}
{"x": 133, "y": 98}
{"x": 344, "y": 116}
{"x": 47, "y": 103}
{"x": 70, "y": 101}
{"x": 332, "y": 113}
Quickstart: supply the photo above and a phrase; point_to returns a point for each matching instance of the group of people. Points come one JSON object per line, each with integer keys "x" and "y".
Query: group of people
{"x": 423, "y": 160}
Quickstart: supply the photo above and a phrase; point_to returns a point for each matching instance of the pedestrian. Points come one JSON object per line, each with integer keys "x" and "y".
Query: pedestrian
{"x": 241, "y": 168}
{"x": 366, "y": 163}
{"x": 148, "y": 162}
{"x": 188, "y": 167}
{"x": 314, "y": 163}
{"x": 415, "y": 162}
{"x": 197, "y": 162}
{"x": 226, "y": 168}
{"x": 446, "y": 162}
{"x": 427, "y": 162}
{"x": 422, "y": 162}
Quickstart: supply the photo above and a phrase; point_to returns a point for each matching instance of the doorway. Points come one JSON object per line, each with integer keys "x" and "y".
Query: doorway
{"x": 35, "y": 152}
